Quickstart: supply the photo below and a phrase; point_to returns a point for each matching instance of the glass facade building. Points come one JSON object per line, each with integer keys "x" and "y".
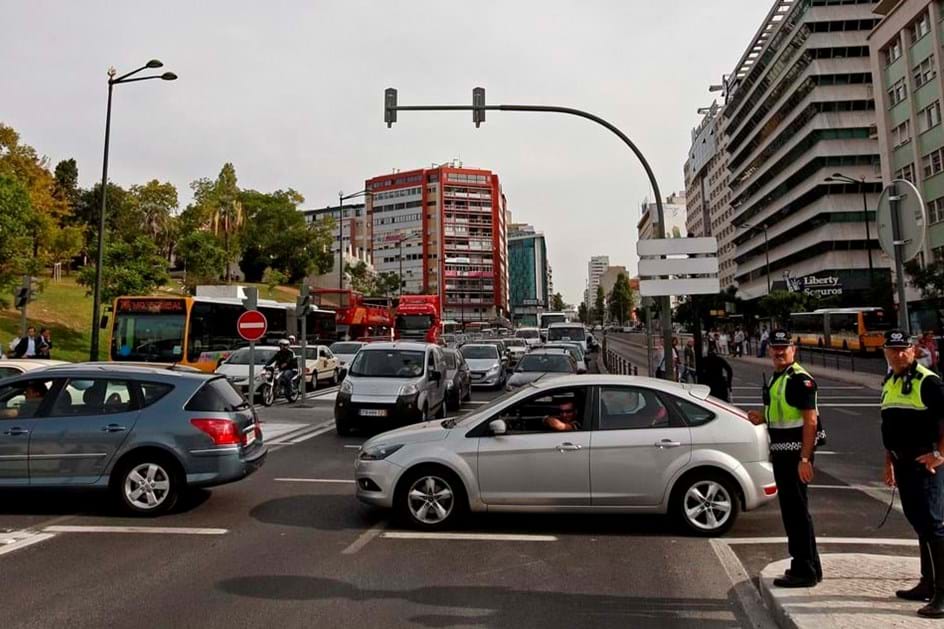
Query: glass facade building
{"x": 527, "y": 274}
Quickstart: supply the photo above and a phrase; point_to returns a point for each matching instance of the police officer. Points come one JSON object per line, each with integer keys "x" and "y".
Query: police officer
{"x": 793, "y": 425}
{"x": 912, "y": 414}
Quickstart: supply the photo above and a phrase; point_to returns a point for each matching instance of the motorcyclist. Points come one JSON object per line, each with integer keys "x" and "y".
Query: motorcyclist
{"x": 286, "y": 362}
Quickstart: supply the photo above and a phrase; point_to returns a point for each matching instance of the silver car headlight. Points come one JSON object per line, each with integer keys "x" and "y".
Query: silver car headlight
{"x": 379, "y": 453}
{"x": 409, "y": 389}
{"x": 346, "y": 387}
{"x": 495, "y": 369}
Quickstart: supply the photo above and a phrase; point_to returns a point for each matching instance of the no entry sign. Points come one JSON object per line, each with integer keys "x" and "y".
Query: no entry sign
{"x": 252, "y": 325}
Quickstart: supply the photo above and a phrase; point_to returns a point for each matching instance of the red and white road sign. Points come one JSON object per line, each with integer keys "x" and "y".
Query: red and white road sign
{"x": 252, "y": 325}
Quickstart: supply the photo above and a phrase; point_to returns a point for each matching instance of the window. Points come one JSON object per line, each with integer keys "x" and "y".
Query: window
{"x": 694, "y": 415}
{"x": 938, "y": 254}
{"x": 933, "y": 163}
{"x": 536, "y": 413}
{"x": 93, "y": 397}
{"x": 628, "y": 408}
{"x": 920, "y": 27}
{"x": 935, "y": 210}
{"x": 23, "y": 399}
{"x": 901, "y": 134}
{"x": 892, "y": 52}
{"x": 153, "y": 391}
{"x": 929, "y": 117}
{"x": 217, "y": 396}
{"x": 897, "y": 92}
{"x": 906, "y": 172}
{"x": 924, "y": 72}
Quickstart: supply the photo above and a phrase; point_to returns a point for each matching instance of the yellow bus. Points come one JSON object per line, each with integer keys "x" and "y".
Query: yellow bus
{"x": 200, "y": 331}
{"x": 854, "y": 329}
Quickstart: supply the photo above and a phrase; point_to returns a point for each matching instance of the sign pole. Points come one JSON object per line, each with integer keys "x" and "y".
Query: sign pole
{"x": 895, "y": 206}
{"x": 252, "y": 373}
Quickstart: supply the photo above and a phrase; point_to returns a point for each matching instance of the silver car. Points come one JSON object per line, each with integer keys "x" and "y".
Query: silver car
{"x": 575, "y": 352}
{"x": 392, "y": 384}
{"x": 634, "y": 445}
{"x": 486, "y": 363}
{"x": 345, "y": 351}
{"x": 144, "y": 433}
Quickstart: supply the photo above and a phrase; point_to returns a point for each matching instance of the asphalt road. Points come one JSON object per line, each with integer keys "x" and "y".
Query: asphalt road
{"x": 290, "y": 546}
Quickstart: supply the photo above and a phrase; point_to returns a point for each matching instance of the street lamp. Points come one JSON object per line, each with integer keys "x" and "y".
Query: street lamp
{"x": 840, "y": 178}
{"x": 763, "y": 227}
{"x": 341, "y": 199}
{"x": 112, "y": 82}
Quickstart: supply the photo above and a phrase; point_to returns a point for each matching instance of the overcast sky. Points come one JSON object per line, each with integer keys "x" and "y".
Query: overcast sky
{"x": 292, "y": 94}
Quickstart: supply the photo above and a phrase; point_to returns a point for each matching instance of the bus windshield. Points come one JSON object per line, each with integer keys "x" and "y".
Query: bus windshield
{"x": 570, "y": 333}
{"x": 148, "y": 337}
{"x": 876, "y": 320}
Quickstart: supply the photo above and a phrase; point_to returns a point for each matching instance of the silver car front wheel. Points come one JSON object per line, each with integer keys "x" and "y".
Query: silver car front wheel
{"x": 431, "y": 498}
{"x": 708, "y": 506}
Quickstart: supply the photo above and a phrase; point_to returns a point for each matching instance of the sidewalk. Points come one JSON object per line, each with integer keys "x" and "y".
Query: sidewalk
{"x": 852, "y": 377}
{"x": 857, "y": 592}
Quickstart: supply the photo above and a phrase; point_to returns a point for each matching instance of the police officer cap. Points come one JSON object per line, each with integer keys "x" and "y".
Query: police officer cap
{"x": 897, "y": 338}
{"x": 780, "y": 338}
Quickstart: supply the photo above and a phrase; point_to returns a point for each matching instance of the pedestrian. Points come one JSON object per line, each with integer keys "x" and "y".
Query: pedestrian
{"x": 912, "y": 410}
{"x": 713, "y": 341}
{"x": 793, "y": 425}
{"x": 723, "y": 339}
{"x": 764, "y": 339}
{"x": 26, "y": 348}
{"x": 688, "y": 368}
{"x": 739, "y": 342}
{"x": 929, "y": 347}
{"x": 44, "y": 344}
{"x": 717, "y": 375}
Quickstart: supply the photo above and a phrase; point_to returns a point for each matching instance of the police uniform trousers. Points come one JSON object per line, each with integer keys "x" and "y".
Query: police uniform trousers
{"x": 922, "y": 496}
{"x": 795, "y": 513}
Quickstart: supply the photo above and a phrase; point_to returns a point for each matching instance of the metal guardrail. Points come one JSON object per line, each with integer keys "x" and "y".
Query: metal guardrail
{"x": 618, "y": 364}
{"x": 844, "y": 360}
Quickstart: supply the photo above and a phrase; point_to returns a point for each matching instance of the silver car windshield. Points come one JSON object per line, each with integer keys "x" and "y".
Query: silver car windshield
{"x": 391, "y": 363}
{"x": 345, "y": 348}
{"x": 556, "y": 363}
{"x": 241, "y": 356}
{"x": 479, "y": 351}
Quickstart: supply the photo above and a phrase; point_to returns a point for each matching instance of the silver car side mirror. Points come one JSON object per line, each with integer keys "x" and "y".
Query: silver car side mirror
{"x": 498, "y": 427}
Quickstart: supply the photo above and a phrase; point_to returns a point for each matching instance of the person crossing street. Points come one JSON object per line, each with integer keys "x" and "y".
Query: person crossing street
{"x": 912, "y": 415}
{"x": 792, "y": 419}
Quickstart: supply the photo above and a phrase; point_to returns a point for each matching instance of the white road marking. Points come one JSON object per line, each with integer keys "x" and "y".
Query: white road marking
{"x": 365, "y": 538}
{"x": 19, "y": 539}
{"x": 748, "y": 596}
{"x": 862, "y": 488}
{"x": 352, "y": 446}
{"x": 327, "y": 395}
{"x": 846, "y": 411}
{"x": 497, "y": 537}
{"x": 855, "y": 541}
{"x": 341, "y": 481}
{"x": 826, "y": 452}
{"x": 326, "y": 428}
{"x": 272, "y": 431}
{"x": 163, "y": 530}
{"x": 476, "y": 402}
{"x": 298, "y": 436}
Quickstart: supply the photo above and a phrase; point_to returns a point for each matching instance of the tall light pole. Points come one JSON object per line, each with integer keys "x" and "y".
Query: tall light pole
{"x": 839, "y": 177}
{"x": 341, "y": 199}
{"x": 763, "y": 227}
{"x": 97, "y": 293}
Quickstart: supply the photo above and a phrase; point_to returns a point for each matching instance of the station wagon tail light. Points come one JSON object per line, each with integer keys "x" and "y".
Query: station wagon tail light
{"x": 223, "y": 432}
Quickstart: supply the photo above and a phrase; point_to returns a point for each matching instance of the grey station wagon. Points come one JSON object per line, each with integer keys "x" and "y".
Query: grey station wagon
{"x": 144, "y": 433}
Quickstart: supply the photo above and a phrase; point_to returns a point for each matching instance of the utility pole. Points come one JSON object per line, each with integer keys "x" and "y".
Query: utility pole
{"x": 302, "y": 310}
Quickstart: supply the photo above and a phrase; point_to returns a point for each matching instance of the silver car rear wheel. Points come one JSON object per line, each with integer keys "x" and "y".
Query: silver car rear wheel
{"x": 431, "y": 500}
{"x": 708, "y": 506}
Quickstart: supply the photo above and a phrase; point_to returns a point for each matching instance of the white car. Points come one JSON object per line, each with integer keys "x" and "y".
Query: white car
{"x": 321, "y": 365}
{"x": 574, "y": 332}
{"x": 236, "y": 367}
{"x": 345, "y": 351}
{"x": 16, "y": 366}
{"x": 531, "y": 336}
{"x": 637, "y": 445}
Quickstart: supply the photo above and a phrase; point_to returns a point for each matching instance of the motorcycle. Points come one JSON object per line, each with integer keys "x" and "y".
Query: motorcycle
{"x": 273, "y": 385}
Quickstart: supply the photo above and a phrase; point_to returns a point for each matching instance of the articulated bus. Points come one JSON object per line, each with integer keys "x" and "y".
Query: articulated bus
{"x": 854, "y": 329}
{"x": 200, "y": 331}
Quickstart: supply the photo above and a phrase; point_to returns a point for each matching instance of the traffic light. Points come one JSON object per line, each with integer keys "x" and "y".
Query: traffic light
{"x": 22, "y": 297}
{"x": 303, "y": 302}
{"x": 478, "y": 106}
{"x": 390, "y": 106}
{"x": 26, "y": 292}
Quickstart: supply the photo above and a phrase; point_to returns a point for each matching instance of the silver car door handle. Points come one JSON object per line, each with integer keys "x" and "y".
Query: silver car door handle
{"x": 113, "y": 428}
{"x": 667, "y": 443}
{"x": 564, "y": 447}
{"x": 16, "y": 431}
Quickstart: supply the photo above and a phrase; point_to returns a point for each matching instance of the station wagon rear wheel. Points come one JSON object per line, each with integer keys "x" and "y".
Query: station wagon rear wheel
{"x": 148, "y": 486}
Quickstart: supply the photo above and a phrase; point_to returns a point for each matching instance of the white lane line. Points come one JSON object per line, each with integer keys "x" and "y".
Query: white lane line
{"x": 328, "y": 428}
{"x": 748, "y": 596}
{"x": 498, "y": 537}
{"x": 354, "y": 447}
{"x": 339, "y": 481}
{"x": 20, "y": 540}
{"x": 826, "y": 452}
{"x": 163, "y": 530}
{"x": 273, "y": 431}
{"x": 856, "y": 541}
{"x": 365, "y": 538}
{"x": 327, "y": 395}
{"x": 845, "y": 411}
{"x": 476, "y": 402}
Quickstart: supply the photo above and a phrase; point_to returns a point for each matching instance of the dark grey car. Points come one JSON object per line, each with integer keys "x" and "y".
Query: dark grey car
{"x": 144, "y": 433}
{"x": 458, "y": 379}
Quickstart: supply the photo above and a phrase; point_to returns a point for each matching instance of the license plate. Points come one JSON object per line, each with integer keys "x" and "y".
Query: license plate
{"x": 373, "y": 412}
{"x": 251, "y": 437}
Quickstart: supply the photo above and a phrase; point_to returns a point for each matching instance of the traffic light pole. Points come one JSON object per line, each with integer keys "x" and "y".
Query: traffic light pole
{"x": 478, "y": 109}
{"x": 303, "y": 307}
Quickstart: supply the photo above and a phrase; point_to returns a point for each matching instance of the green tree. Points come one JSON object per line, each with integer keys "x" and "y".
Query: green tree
{"x": 272, "y": 278}
{"x": 780, "y": 303}
{"x": 130, "y": 268}
{"x": 557, "y": 303}
{"x": 929, "y": 279}
{"x": 217, "y": 207}
{"x": 65, "y": 243}
{"x": 621, "y": 299}
{"x": 203, "y": 258}
{"x": 361, "y": 277}
{"x": 67, "y": 183}
{"x": 387, "y": 285}
{"x": 599, "y": 305}
{"x": 15, "y": 239}
{"x": 152, "y": 211}
{"x": 582, "y": 313}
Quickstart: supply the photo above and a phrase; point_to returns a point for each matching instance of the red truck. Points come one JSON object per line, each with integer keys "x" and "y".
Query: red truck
{"x": 418, "y": 318}
{"x": 358, "y": 317}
